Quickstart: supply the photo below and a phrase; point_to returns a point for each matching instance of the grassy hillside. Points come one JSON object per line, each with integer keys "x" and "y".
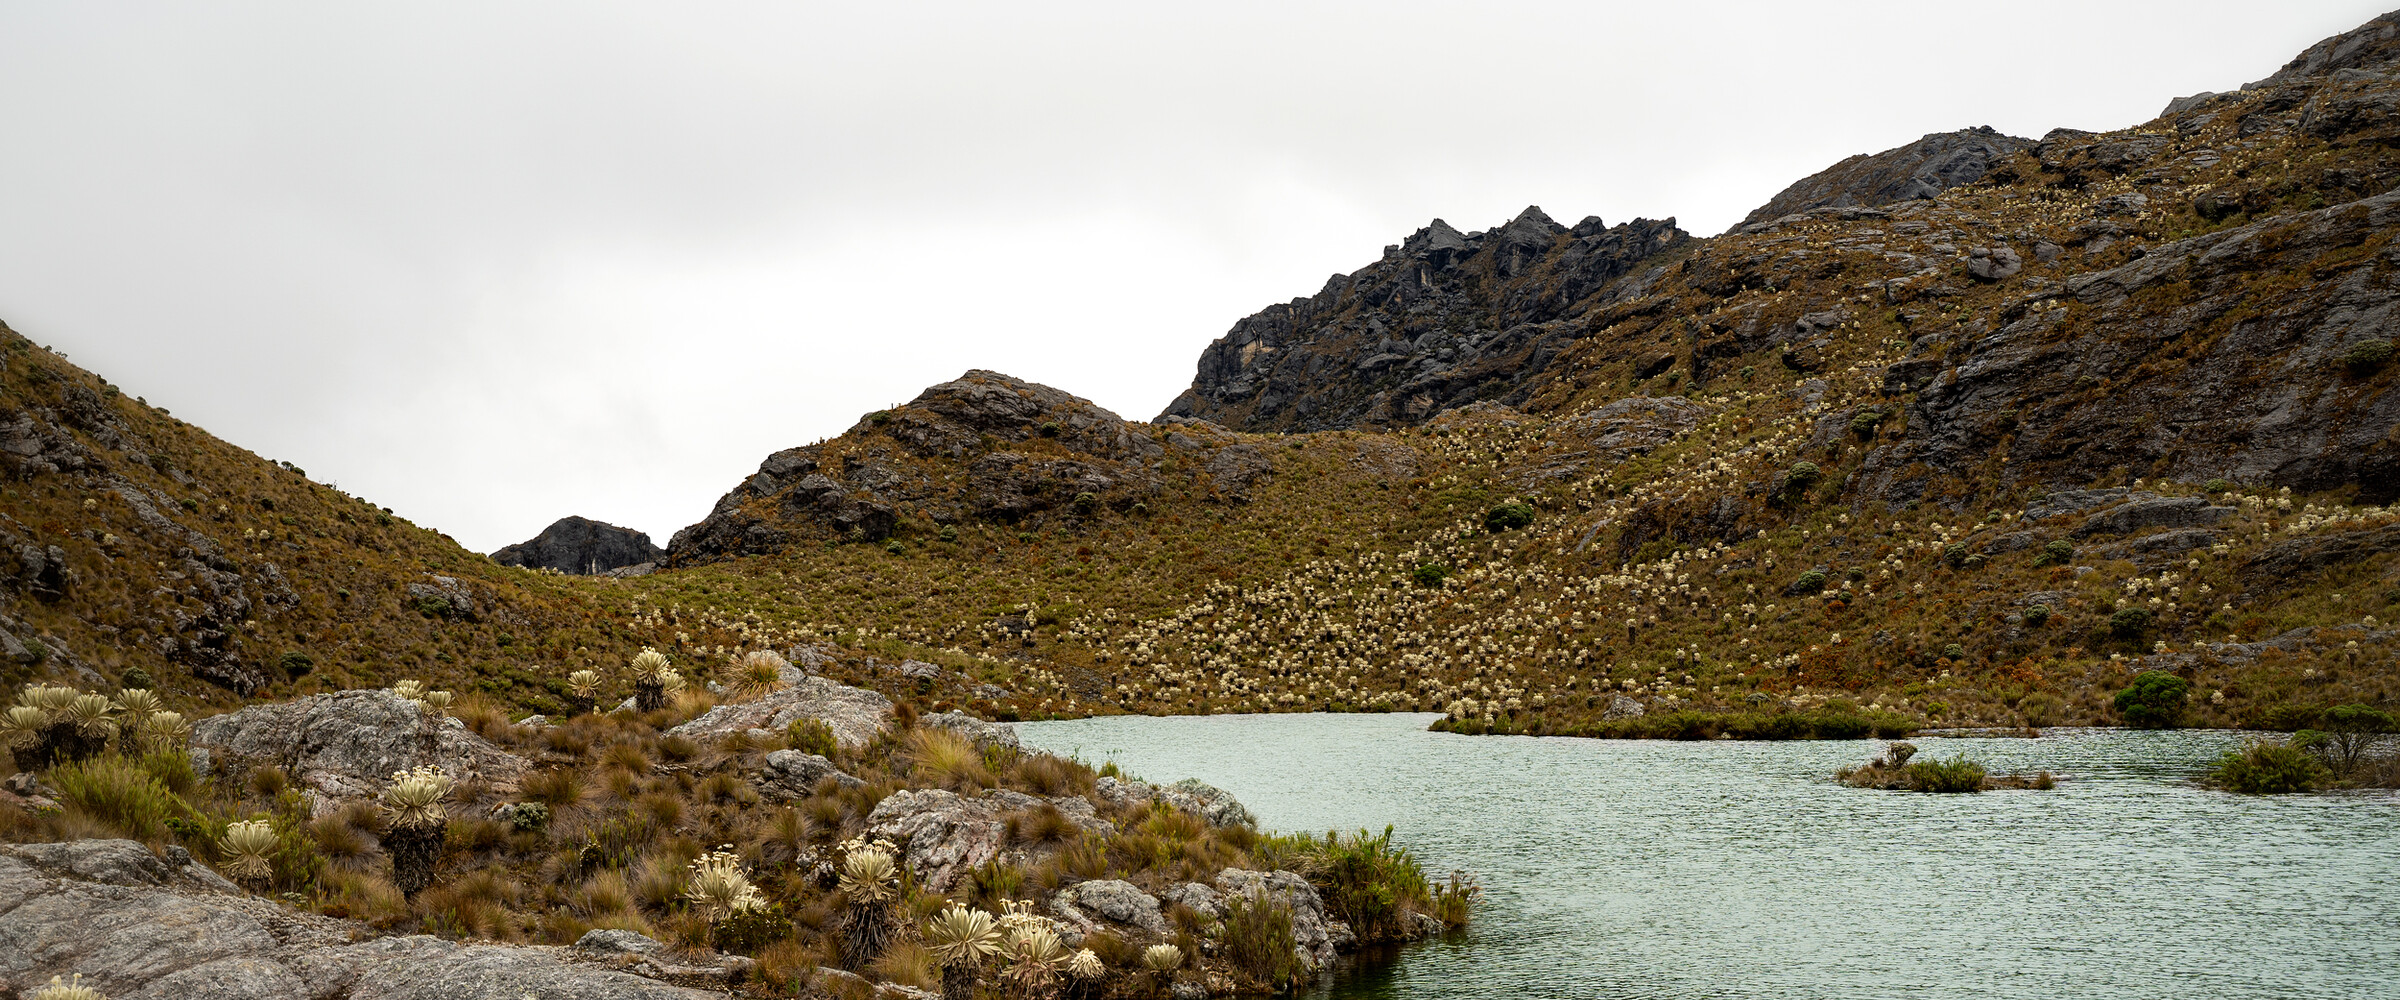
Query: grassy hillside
{"x": 1834, "y": 459}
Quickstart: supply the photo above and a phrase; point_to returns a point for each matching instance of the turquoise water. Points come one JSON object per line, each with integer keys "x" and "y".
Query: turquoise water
{"x": 1630, "y": 869}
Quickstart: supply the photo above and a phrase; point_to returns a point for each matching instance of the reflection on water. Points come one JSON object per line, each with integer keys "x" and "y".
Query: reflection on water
{"x": 1624, "y": 869}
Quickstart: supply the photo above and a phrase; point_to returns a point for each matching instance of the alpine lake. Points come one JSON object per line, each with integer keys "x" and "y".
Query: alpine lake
{"x": 1656, "y": 869}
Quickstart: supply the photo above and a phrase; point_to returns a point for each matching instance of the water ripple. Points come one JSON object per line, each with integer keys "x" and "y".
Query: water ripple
{"x": 1618, "y": 869}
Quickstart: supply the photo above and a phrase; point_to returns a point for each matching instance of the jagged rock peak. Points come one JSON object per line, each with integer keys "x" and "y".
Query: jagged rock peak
{"x": 1922, "y": 169}
{"x": 1443, "y": 319}
{"x": 2368, "y": 50}
{"x": 2374, "y": 45}
{"x": 581, "y": 545}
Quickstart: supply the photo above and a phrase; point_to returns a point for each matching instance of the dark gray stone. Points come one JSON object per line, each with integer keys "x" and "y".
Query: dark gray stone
{"x": 582, "y": 546}
{"x": 1921, "y": 169}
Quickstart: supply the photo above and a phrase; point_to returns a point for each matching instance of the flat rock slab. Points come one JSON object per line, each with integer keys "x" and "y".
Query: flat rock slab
{"x": 854, "y": 714}
{"x": 140, "y": 927}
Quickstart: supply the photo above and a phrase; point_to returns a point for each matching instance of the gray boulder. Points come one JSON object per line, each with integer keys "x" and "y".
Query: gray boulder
{"x": 791, "y": 774}
{"x": 1215, "y": 805}
{"x": 1199, "y": 898}
{"x": 854, "y": 714}
{"x": 1993, "y": 263}
{"x": 444, "y": 597}
{"x": 347, "y": 744}
{"x": 1112, "y": 900}
{"x": 984, "y": 734}
{"x": 942, "y": 834}
{"x": 583, "y": 546}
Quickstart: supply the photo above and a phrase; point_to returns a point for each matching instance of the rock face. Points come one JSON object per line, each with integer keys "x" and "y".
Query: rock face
{"x": 854, "y": 714}
{"x": 2253, "y": 406}
{"x": 1921, "y": 169}
{"x": 346, "y": 745}
{"x": 581, "y": 545}
{"x": 1444, "y": 319}
{"x": 141, "y": 928}
{"x": 980, "y": 420}
{"x": 1317, "y": 938}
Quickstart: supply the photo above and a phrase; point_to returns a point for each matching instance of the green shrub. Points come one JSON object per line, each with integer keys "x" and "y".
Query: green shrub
{"x": 1955, "y": 553}
{"x": 1865, "y": 422}
{"x": 1258, "y": 939}
{"x": 1364, "y": 878}
{"x": 947, "y": 534}
{"x": 295, "y": 663}
{"x": 1958, "y": 774}
{"x": 1508, "y": 517}
{"x": 173, "y": 769}
{"x": 2265, "y": 768}
{"x": 2130, "y": 623}
{"x": 2057, "y": 553}
{"x": 1832, "y": 725}
{"x": 2216, "y": 486}
{"x": 1431, "y": 574}
{"x": 1954, "y": 652}
{"x": 528, "y": 817}
{"x": 1800, "y": 478}
{"x": 119, "y": 793}
{"x": 2367, "y": 355}
{"x": 1809, "y": 583}
{"x": 1086, "y": 503}
{"x": 136, "y": 677}
{"x": 2155, "y": 700}
{"x": 810, "y": 736}
{"x": 2037, "y": 615}
{"x": 894, "y": 547}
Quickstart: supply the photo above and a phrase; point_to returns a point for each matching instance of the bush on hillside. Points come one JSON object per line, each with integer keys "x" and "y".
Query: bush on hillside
{"x": 2155, "y": 700}
{"x": 1508, "y": 517}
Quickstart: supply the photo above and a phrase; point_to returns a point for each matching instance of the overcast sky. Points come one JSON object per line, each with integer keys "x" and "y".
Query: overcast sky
{"x": 494, "y": 263}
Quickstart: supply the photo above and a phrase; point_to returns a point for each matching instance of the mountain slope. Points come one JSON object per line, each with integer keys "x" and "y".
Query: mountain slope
{"x": 139, "y": 545}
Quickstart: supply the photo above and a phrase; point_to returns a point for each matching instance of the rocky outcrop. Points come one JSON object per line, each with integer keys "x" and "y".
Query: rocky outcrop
{"x": 140, "y": 927}
{"x": 854, "y": 714}
{"x": 2311, "y": 555}
{"x": 2266, "y": 400}
{"x": 984, "y": 735}
{"x": 1921, "y": 169}
{"x": 583, "y": 546}
{"x": 1317, "y": 938}
{"x": 790, "y": 774}
{"x": 1215, "y": 805}
{"x": 1444, "y": 319}
{"x": 942, "y": 834}
{"x": 346, "y": 745}
{"x": 856, "y": 487}
{"x": 2163, "y": 512}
